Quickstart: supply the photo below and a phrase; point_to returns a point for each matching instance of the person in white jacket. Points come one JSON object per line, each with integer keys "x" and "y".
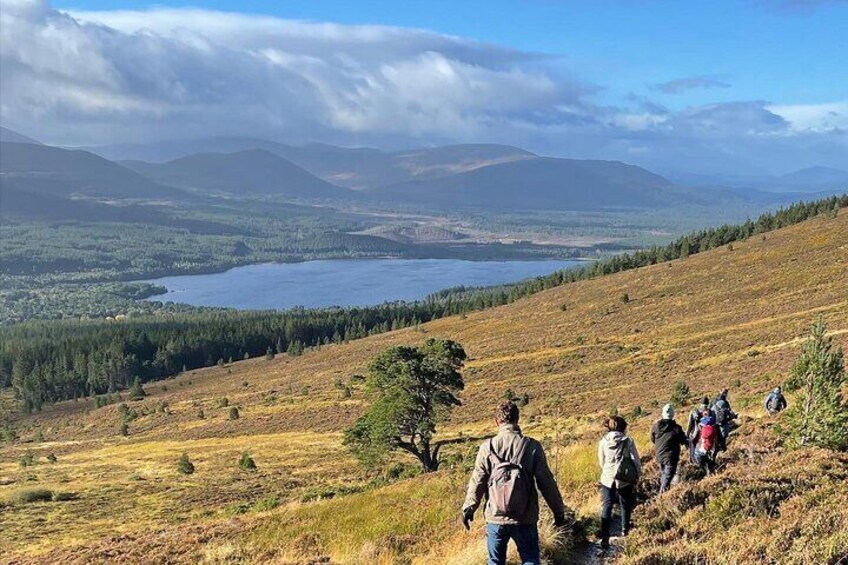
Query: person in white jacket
{"x": 613, "y": 448}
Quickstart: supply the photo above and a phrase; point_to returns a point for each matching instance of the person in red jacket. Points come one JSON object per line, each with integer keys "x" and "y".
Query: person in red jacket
{"x": 708, "y": 442}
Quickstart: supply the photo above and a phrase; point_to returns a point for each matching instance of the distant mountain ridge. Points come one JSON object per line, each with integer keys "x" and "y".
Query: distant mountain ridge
{"x": 544, "y": 183}
{"x": 48, "y": 170}
{"x": 248, "y": 172}
{"x": 355, "y": 167}
{"x": 7, "y": 135}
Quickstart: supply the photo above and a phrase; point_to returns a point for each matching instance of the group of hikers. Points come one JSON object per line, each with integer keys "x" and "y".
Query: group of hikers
{"x": 511, "y": 470}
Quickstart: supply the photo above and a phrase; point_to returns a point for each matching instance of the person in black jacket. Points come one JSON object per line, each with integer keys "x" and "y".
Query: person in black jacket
{"x": 667, "y": 437}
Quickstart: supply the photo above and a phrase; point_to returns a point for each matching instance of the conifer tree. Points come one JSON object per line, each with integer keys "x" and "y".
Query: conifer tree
{"x": 136, "y": 391}
{"x": 818, "y": 415}
{"x": 184, "y": 465}
{"x": 246, "y": 463}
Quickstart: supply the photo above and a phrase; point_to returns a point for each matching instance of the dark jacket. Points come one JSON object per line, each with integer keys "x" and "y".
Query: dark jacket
{"x": 507, "y": 445}
{"x": 695, "y": 417}
{"x": 667, "y": 436}
{"x": 775, "y": 402}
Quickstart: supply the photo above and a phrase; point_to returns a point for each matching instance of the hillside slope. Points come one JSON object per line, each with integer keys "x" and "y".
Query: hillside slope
{"x": 42, "y": 170}
{"x": 728, "y": 317}
{"x": 546, "y": 184}
{"x": 254, "y": 171}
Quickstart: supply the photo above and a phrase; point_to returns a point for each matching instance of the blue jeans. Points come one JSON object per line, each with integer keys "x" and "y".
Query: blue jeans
{"x": 626, "y": 498}
{"x": 526, "y": 538}
{"x": 667, "y": 472}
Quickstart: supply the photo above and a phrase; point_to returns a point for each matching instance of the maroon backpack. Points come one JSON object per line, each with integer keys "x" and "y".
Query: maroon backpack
{"x": 510, "y": 484}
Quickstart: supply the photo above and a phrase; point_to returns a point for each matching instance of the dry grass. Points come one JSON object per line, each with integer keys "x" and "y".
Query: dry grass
{"x": 709, "y": 320}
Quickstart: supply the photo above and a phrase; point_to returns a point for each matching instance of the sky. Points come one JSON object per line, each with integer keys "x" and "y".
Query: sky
{"x": 733, "y": 88}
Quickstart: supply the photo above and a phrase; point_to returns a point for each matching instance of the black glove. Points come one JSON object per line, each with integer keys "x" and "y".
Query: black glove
{"x": 467, "y": 517}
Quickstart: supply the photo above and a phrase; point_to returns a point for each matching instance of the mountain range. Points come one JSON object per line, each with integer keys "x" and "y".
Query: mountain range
{"x": 472, "y": 176}
{"x": 252, "y": 171}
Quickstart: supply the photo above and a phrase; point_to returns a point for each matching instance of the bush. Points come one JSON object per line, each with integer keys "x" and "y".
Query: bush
{"x": 246, "y": 463}
{"x": 625, "y": 298}
{"x": 52, "y": 458}
{"x": 680, "y": 394}
{"x": 59, "y": 496}
{"x": 265, "y": 504}
{"x": 136, "y": 391}
{"x": 819, "y": 415}
{"x": 184, "y": 465}
{"x": 26, "y": 496}
{"x": 223, "y": 402}
{"x": 27, "y": 459}
{"x": 124, "y": 430}
{"x": 234, "y": 413}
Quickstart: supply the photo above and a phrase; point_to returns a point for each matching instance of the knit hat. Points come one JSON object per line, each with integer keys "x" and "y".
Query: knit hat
{"x": 668, "y": 412}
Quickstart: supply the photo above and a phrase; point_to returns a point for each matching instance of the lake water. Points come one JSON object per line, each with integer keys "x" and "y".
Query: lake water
{"x": 360, "y": 282}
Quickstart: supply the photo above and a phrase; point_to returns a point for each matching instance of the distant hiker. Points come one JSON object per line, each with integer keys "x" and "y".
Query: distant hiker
{"x": 694, "y": 420}
{"x": 620, "y": 471}
{"x": 708, "y": 442}
{"x": 508, "y": 470}
{"x": 724, "y": 415}
{"x": 667, "y": 437}
{"x": 775, "y": 402}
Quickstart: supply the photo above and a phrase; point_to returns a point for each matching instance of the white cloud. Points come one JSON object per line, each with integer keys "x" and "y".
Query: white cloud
{"x": 814, "y": 117}
{"x": 124, "y": 76}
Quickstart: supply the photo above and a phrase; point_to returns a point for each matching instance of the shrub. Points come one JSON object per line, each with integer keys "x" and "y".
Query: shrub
{"x": 625, "y": 298}
{"x": 59, "y": 496}
{"x": 136, "y": 391}
{"x": 819, "y": 415}
{"x": 269, "y": 354}
{"x": 8, "y": 434}
{"x": 52, "y": 458}
{"x": 124, "y": 430}
{"x": 234, "y": 413}
{"x": 184, "y": 465}
{"x": 246, "y": 463}
{"x": 680, "y": 394}
{"x": 25, "y": 496}
{"x": 27, "y": 459}
{"x": 265, "y": 504}
{"x": 223, "y": 402}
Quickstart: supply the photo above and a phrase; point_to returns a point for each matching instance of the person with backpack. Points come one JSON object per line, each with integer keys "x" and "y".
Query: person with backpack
{"x": 508, "y": 470}
{"x": 775, "y": 402}
{"x": 620, "y": 472}
{"x": 708, "y": 442}
{"x": 724, "y": 415}
{"x": 667, "y": 437}
{"x": 692, "y": 425}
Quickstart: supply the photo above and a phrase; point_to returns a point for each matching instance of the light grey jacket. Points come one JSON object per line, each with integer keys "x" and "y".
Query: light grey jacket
{"x": 609, "y": 455}
{"x": 507, "y": 445}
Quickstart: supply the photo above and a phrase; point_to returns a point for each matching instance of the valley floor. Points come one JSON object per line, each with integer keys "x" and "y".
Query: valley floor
{"x": 726, "y": 318}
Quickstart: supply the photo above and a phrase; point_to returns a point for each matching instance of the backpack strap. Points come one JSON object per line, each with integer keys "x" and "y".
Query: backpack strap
{"x": 525, "y": 441}
{"x": 492, "y": 452}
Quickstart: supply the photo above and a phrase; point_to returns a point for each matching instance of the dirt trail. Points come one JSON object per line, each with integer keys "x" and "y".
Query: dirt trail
{"x": 588, "y": 553}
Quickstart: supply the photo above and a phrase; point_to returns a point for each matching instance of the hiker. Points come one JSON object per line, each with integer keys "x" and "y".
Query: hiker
{"x": 667, "y": 437}
{"x": 708, "y": 442}
{"x": 620, "y": 471}
{"x": 775, "y": 402}
{"x": 508, "y": 470}
{"x": 692, "y": 426}
{"x": 724, "y": 415}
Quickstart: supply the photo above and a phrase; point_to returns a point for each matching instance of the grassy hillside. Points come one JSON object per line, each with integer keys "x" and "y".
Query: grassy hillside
{"x": 728, "y": 317}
